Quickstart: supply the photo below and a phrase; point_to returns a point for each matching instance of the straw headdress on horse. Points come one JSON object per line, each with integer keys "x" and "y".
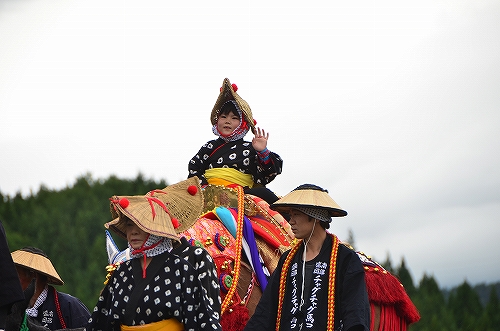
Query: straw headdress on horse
{"x": 35, "y": 259}
{"x": 228, "y": 92}
{"x": 312, "y": 200}
{"x": 164, "y": 213}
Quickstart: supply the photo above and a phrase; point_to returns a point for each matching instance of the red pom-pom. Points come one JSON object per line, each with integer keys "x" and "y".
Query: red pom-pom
{"x": 220, "y": 90}
{"x": 192, "y": 190}
{"x": 175, "y": 223}
{"x": 254, "y": 122}
{"x": 124, "y": 202}
{"x": 235, "y": 88}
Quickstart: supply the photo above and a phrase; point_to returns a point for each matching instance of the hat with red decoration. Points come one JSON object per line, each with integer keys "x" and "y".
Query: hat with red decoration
{"x": 228, "y": 92}
{"x": 164, "y": 213}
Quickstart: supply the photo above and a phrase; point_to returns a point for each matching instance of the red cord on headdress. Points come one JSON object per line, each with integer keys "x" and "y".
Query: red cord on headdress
{"x": 175, "y": 222}
{"x": 141, "y": 250}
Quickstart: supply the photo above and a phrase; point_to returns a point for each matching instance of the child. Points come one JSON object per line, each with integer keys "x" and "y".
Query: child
{"x": 229, "y": 160}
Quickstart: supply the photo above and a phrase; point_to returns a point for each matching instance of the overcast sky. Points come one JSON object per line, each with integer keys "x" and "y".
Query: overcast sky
{"x": 394, "y": 108}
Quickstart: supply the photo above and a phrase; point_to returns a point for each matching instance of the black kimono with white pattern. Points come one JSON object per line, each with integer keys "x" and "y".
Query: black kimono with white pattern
{"x": 239, "y": 155}
{"x": 203, "y": 263}
{"x": 174, "y": 292}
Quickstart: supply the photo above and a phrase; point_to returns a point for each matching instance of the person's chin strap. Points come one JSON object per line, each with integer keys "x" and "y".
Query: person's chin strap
{"x": 142, "y": 251}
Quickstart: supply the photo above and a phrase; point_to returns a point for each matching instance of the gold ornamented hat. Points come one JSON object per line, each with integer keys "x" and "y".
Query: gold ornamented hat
{"x": 164, "y": 213}
{"x": 228, "y": 92}
{"x": 35, "y": 259}
{"x": 309, "y": 196}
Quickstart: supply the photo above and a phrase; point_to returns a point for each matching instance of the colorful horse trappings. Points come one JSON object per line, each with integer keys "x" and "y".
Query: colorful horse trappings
{"x": 246, "y": 239}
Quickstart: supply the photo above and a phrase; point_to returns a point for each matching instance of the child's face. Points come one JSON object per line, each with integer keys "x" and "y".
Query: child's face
{"x": 227, "y": 123}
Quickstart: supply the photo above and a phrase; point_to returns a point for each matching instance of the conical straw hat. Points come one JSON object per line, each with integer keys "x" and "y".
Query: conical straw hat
{"x": 35, "y": 259}
{"x": 227, "y": 92}
{"x": 159, "y": 212}
{"x": 185, "y": 201}
{"x": 310, "y": 196}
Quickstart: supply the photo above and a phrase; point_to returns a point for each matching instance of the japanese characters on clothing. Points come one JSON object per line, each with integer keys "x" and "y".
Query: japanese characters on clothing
{"x": 352, "y": 308}
{"x": 73, "y": 312}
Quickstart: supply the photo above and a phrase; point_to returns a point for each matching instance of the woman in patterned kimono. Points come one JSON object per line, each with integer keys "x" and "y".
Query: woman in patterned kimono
{"x": 156, "y": 289}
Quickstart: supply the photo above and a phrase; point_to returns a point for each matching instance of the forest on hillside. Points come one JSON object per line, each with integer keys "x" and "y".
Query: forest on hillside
{"x": 67, "y": 225}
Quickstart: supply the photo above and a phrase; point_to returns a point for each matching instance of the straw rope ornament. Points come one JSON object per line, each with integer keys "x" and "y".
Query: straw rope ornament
{"x": 331, "y": 282}
{"x": 228, "y": 92}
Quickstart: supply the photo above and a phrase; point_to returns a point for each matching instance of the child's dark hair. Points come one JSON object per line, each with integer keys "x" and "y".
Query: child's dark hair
{"x": 228, "y": 107}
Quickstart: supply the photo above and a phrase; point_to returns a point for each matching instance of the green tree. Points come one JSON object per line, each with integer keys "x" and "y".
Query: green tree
{"x": 350, "y": 239}
{"x": 466, "y": 308}
{"x": 431, "y": 305}
{"x": 490, "y": 321}
{"x": 405, "y": 278}
{"x": 387, "y": 264}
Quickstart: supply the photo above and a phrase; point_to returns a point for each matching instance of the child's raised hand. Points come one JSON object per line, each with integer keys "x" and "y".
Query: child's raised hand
{"x": 259, "y": 141}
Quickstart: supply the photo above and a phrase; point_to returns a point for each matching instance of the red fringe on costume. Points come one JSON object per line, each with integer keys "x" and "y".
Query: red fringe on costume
{"x": 235, "y": 318}
{"x": 391, "y": 307}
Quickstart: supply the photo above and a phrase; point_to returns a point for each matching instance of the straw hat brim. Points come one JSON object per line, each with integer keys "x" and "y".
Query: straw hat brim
{"x": 150, "y": 218}
{"x": 38, "y": 263}
{"x": 183, "y": 201}
{"x": 227, "y": 93}
{"x": 310, "y": 199}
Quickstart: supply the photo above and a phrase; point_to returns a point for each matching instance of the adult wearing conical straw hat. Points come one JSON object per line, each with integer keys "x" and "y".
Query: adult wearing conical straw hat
{"x": 319, "y": 284}
{"x": 156, "y": 289}
{"x": 51, "y": 308}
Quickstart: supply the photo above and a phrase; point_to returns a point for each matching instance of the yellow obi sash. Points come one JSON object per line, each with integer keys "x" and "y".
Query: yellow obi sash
{"x": 170, "y": 324}
{"x": 228, "y": 176}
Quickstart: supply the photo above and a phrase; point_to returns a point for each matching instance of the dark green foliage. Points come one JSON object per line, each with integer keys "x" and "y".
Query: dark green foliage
{"x": 405, "y": 278}
{"x": 68, "y": 226}
{"x": 490, "y": 320}
{"x": 431, "y": 304}
{"x": 387, "y": 264}
{"x": 465, "y": 306}
{"x": 350, "y": 239}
